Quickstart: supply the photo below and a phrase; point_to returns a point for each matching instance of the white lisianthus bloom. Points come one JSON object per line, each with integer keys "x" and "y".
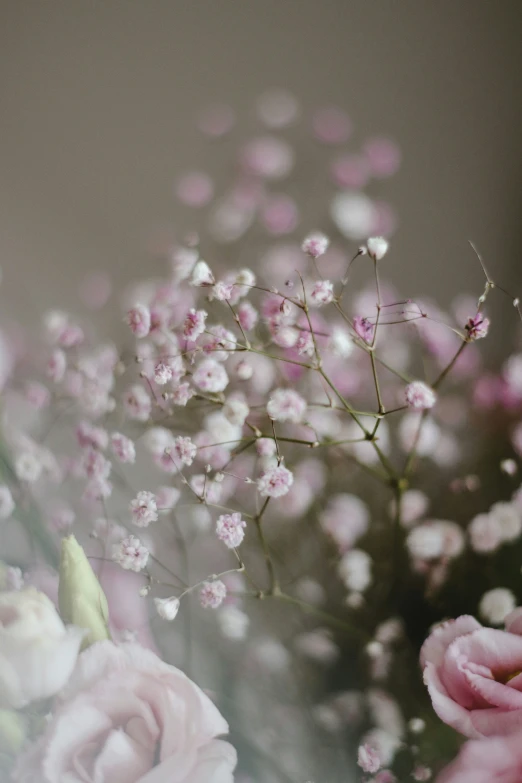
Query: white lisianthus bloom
{"x": 37, "y": 652}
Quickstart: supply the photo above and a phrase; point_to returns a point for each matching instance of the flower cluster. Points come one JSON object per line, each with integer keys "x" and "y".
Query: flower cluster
{"x": 279, "y": 437}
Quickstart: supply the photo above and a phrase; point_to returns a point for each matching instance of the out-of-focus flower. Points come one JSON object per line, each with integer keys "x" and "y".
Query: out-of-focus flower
{"x": 487, "y": 760}
{"x": 496, "y": 605}
{"x": 80, "y": 596}
{"x": 419, "y": 395}
{"x": 37, "y": 652}
{"x": 101, "y": 720}
{"x": 286, "y": 405}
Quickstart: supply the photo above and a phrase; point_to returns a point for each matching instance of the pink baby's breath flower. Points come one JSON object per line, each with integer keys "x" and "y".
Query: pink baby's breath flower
{"x": 275, "y": 482}
{"x": 139, "y": 320}
{"x": 94, "y": 465}
{"x": 183, "y": 451}
{"x": 162, "y": 373}
{"x": 130, "y": 554}
{"x": 194, "y": 324}
{"x": 363, "y": 328}
{"x": 305, "y": 344}
{"x": 268, "y": 157}
{"x": 477, "y": 326}
{"x": 368, "y": 759}
{"x": 230, "y": 529}
{"x": 137, "y": 403}
{"x": 202, "y": 275}
{"x": 123, "y": 448}
{"x": 377, "y": 247}
{"x": 248, "y": 316}
{"x": 210, "y": 376}
{"x": 286, "y": 405}
{"x": 144, "y": 509}
{"x": 7, "y": 504}
{"x": 222, "y": 291}
{"x": 89, "y": 435}
{"x": 244, "y": 370}
{"x": 315, "y": 245}
{"x": 322, "y": 292}
{"x": 420, "y": 395}
{"x": 57, "y": 365}
{"x": 212, "y": 594}
{"x": 182, "y": 394}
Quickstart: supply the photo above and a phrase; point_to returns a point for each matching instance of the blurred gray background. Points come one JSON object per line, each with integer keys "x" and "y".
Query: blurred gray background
{"x": 98, "y": 102}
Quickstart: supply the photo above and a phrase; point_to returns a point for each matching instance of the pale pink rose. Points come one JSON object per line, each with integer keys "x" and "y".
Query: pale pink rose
{"x": 474, "y": 677}
{"x": 128, "y": 717}
{"x": 37, "y": 652}
{"x": 486, "y": 761}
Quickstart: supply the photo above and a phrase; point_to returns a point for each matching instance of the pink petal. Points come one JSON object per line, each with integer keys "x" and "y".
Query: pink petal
{"x": 446, "y": 708}
{"x": 436, "y": 644}
{"x": 122, "y": 760}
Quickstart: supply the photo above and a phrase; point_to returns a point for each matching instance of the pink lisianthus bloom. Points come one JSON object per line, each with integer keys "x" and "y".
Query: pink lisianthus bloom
{"x": 474, "y": 676}
{"x": 495, "y": 759}
{"x": 128, "y": 717}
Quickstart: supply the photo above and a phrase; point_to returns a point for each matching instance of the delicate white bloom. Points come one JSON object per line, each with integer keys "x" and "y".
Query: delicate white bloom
{"x": 210, "y": 376}
{"x": 414, "y": 504}
{"x": 167, "y": 608}
{"x": 236, "y": 410}
{"x": 137, "y": 403}
{"x": 202, "y": 275}
{"x": 130, "y": 554}
{"x": 7, "y": 504}
{"x": 212, "y": 594}
{"x": 416, "y": 725}
{"x": 286, "y": 405}
{"x": 419, "y": 395}
{"x": 322, "y": 293}
{"x": 244, "y": 370}
{"x": 230, "y": 529}
{"x": 340, "y": 343}
{"x": 157, "y": 439}
{"x": 377, "y": 247}
{"x": 315, "y": 245}
{"x": 345, "y": 519}
{"x": 37, "y": 652}
{"x": 28, "y": 467}
{"x": 266, "y": 447}
{"x": 485, "y": 533}
{"x": 509, "y": 467}
{"x": 233, "y": 623}
{"x": 353, "y": 213}
{"x": 144, "y": 509}
{"x": 162, "y": 373}
{"x": 390, "y": 631}
{"x": 317, "y": 645}
{"x": 425, "y": 542}
{"x": 275, "y": 482}
{"x": 222, "y": 291}
{"x": 355, "y": 569}
{"x": 429, "y": 437}
{"x": 496, "y": 604}
{"x": 385, "y": 744}
{"x": 509, "y": 519}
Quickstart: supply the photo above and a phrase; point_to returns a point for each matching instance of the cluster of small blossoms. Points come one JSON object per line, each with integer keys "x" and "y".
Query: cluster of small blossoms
{"x": 279, "y": 399}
